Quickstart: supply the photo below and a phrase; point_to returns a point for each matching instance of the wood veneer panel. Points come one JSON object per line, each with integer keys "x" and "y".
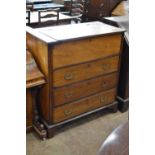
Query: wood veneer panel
{"x": 75, "y": 108}
{"x": 82, "y": 89}
{"x": 39, "y": 50}
{"x": 74, "y": 52}
{"x": 85, "y": 71}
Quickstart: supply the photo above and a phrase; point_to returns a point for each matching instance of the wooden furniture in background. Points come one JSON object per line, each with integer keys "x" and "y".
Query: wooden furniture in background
{"x": 63, "y": 19}
{"x": 27, "y": 17}
{"x": 47, "y": 6}
{"x": 81, "y": 65}
{"x": 67, "y": 6}
{"x": 35, "y": 5}
{"x": 117, "y": 143}
{"x": 77, "y": 9}
{"x": 114, "y": 4}
{"x": 122, "y": 9}
{"x": 34, "y": 79}
{"x": 45, "y": 17}
{"x": 97, "y": 9}
{"x": 30, "y": 4}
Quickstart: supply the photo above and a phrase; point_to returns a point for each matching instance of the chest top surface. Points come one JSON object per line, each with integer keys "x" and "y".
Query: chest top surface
{"x": 75, "y": 31}
{"x": 122, "y": 22}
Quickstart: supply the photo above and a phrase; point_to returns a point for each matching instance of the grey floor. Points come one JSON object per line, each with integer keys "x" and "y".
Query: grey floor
{"x": 83, "y": 137}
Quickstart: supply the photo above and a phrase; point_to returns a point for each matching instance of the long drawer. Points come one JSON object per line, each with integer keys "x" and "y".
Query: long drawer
{"x": 85, "y": 71}
{"x": 85, "y": 50}
{"x": 84, "y": 105}
{"x": 85, "y": 88}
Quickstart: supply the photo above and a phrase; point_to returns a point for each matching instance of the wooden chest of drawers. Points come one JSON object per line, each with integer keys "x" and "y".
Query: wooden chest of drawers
{"x": 81, "y": 65}
{"x": 97, "y": 9}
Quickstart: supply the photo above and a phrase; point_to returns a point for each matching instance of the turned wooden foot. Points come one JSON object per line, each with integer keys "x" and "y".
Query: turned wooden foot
{"x": 37, "y": 123}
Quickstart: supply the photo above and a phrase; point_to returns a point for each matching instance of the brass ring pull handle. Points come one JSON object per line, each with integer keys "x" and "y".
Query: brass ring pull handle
{"x": 68, "y": 112}
{"x": 68, "y": 94}
{"x": 102, "y": 99}
{"x": 68, "y": 76}
{"x": 106, "y": 66}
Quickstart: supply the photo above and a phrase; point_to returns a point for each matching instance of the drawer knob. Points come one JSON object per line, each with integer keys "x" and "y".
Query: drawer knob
{"x": 101, "y": 4}
{"x": 68, "y": 76}
{"x": 104, "y": 84}
{"x": 105, "y": 66}
{"x": 88, "y": 65}
{"x": 100, "y": 15}
{"x": 68, "y": 112}
{"x": 102, "y": 99}
{"x": 68, "y": 94}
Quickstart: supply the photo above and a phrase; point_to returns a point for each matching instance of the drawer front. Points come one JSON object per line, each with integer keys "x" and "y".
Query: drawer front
{"x": 82, "y": 89}
{"x": 85, "y": 50}
{"x": 76, "y": 108}
{"x": 85, "y": 71}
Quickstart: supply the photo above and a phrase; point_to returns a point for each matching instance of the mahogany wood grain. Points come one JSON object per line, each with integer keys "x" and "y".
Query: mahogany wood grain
{"x": 39, "y": 50}
{"x": 96, "y": 9}
{"x": 33, "y": 75}
{"x": 75, "y": 52}
{"x": 68, "y": 56}
{"x": 34, "y": 78}
{"x": 121, "y": 9}
{"x": 85, "y": 71}
{"x": 76, "y": 108}
{"x": 75, "y": 91}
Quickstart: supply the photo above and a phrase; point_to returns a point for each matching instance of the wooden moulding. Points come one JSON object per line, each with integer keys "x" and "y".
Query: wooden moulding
{"x": 85, "y": 88}
{"x": 71, "y": 53}
{"x": 80, "y": 106}
{"x": 85, "y": 71}
{"x": 51, "y": 128}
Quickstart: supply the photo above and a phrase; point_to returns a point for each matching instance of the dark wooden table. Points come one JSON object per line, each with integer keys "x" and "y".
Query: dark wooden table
{"x": 47, "y": 6}
{"x": 63, "y": 19}
{"x": 34, "y": 17}
{"x": 117, "y": 143}
{"x": 38, "y": 1}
